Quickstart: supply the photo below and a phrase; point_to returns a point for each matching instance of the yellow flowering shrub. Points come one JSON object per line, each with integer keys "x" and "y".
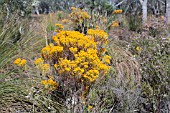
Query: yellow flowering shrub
{"x": 76, "y": 60}
{"x": 76, "y": 55}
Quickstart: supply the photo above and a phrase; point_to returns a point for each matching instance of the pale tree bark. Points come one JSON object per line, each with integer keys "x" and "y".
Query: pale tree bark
{"x": 7, "y": 11}
{"x": 168, "y": 12}
{"x": 144, "y": 11}
{"x": 36, "y": 10}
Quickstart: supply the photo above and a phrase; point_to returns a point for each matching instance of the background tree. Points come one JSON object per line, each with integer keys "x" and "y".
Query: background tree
{"x": 144, "y": 11}
{"x": 168, "y": 11}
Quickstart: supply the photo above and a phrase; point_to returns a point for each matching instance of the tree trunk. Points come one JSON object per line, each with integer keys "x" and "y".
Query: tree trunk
{"x": 7, "y": 11}
{"x": 144, "y": 12}
{"x": 168, "y": 12}
{"x": 37, "y": 11}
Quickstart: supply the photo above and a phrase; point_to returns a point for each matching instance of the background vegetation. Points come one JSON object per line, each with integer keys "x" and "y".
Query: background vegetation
{"x": 138, "y": 78}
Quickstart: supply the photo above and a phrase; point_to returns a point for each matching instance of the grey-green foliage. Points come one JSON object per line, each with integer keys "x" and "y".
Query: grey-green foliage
{"x": 155, "y": 65}
{"x": 13, "y": 7}
{"x": 156, "y": 73}
{"x": 101, "y": 6}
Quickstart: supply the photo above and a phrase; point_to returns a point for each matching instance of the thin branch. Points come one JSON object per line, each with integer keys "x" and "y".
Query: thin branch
{"x": 141, "y": 1}
{"x": 161, "y": 1}
{"x": 126, "y": 9}
{"x": 120, "y": 3}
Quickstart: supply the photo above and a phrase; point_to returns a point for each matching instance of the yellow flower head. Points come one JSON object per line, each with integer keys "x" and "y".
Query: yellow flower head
{"x": 90, "y": 107}
{"x": 107, "y": 59}
{"x": 138, "y": 49}
{"x": 162, "y": 18}
{"x": 97, "y": 27}
{"x": 115, "y": 24}
{"x": 44, "y": 82}
{"x": 20, "y": 62}
{"x": 38, "y": 61}
{"x": 23, "y": 62}
{"x": 99, "y": 35}
{"x": 73, "y": 50}
{"x": 49, "y": 84}
{"x": 17, "y": 61}
{"x": 104, "y": 20}
{"x": 50, "y": 51}
{"x": 45, "y": 67}
{"x": 65, "y": 21}
{"x": 50, "y": 77}
{"x": 119, "y": 11}
{"x": 73, "y": 8}
{"x": 59, "y": 26}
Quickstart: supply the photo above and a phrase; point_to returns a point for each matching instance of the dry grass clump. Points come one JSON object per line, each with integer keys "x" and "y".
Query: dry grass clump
{"x": 127, "y": 67}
